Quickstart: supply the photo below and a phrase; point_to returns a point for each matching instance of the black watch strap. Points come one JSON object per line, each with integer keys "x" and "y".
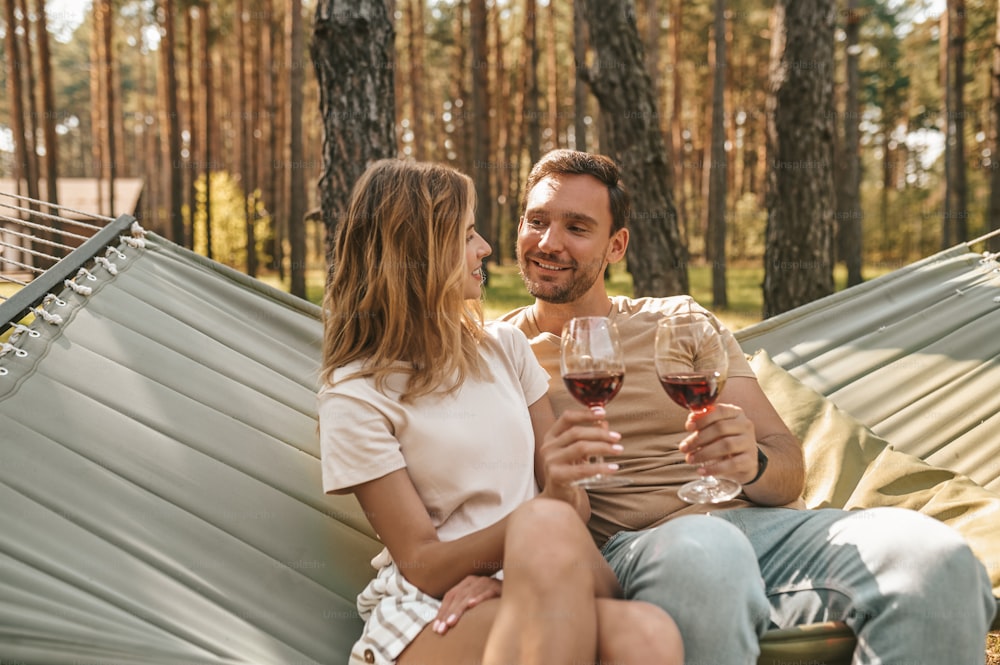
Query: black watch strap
{"x": 761, "y": 465}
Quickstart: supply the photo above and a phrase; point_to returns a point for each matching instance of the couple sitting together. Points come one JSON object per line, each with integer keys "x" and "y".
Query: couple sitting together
{"x": 463, "y": 447}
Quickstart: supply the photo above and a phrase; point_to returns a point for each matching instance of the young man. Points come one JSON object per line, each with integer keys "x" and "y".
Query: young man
{"x": 908, "y": 586}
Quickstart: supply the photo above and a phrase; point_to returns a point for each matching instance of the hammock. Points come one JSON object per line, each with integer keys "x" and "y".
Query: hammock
{"x": 159, "y": 465}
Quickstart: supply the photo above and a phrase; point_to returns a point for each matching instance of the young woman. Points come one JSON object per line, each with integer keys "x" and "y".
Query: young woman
{"x": 440, "y": 426}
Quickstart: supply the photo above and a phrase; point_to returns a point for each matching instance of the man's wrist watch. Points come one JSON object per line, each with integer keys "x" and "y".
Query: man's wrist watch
{"x": 761, "y": 465}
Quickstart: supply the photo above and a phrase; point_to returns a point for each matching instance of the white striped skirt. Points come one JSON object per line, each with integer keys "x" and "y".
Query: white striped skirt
{"x": 395, "y": 612}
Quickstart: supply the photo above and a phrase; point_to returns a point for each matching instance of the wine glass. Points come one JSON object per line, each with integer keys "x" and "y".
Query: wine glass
{"x": 692, "y": 363}
{"x": 593, "y": 369}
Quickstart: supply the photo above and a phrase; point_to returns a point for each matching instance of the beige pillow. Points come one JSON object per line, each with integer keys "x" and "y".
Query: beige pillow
{"x": 848, "y": 466}
{"x": 837, "y": 448}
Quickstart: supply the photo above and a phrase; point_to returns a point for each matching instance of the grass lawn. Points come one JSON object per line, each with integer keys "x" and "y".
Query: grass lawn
{"x": 506, "y": 290}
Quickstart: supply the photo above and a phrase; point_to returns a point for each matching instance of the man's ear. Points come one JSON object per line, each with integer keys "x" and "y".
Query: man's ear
{"x": 520, "y": 223}
{"x": 618, "y": 245}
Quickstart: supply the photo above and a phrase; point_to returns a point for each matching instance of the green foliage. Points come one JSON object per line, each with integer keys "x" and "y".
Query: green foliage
{"x": 229, "y": 233}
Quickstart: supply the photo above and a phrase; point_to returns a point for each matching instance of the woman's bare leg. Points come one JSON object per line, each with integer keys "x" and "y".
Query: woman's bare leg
{"x": 462, "y": 644}
{"x": 548, "y": 614}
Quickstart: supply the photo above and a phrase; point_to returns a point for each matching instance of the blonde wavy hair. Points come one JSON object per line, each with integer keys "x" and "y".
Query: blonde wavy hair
{"x": 394, "y": 297}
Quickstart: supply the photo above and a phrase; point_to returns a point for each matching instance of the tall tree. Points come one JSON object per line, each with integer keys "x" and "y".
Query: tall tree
{"x": 296, "y": 181}
{"x": 481, "y": 121}
{"x": 242, "y": 147}
{"x": 96, "y": 109}
{"x": 170, "y": 121}
{"x": 715, "y": 241}
{"x": 579, "y": 84}
{"x": 797, "y": 257}
{"x": 677, "y": 168}
{"x": 418, "y": 114}
{"x": 205, "y": 24}
{"x": 108, "y": 87}
{"x": 993, "y": 213}
{"x": 848, "y": 212}
{"x": 27, "y": 64}
{"x": 656, "y": 257}
{"x": 353, "y": 54}
{"x": 15, "y": 86}
{"x": 272, "y": 129}
{"x": 48, "y": 104}
{"x": 954, "y": 224}
{"x": 552, "y": 73}
{"x": 193, "y": 139}
{"x": 531, "y": 94}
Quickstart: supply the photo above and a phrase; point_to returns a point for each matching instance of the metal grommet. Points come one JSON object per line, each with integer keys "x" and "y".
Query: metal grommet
{"x": 369, "y": 656}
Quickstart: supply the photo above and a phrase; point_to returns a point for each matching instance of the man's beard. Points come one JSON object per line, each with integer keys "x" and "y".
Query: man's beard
{"x": 560, "y": 293}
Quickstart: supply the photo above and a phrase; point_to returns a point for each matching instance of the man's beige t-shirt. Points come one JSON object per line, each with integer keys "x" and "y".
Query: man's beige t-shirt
{"x": 650, "y": 423}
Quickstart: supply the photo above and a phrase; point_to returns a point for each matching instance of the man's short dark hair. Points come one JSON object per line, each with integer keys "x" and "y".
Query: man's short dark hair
{"x": 574, "y": 162}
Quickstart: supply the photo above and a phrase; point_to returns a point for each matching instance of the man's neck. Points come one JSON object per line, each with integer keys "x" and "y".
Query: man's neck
{"x": 551, "y": 317}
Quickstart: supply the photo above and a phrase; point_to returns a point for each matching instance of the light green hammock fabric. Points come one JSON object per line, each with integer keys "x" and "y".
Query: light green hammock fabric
{"x": 159, "y": 472}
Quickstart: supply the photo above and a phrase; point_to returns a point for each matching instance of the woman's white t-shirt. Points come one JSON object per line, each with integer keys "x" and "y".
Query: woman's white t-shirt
{"x": 469, "y": 454}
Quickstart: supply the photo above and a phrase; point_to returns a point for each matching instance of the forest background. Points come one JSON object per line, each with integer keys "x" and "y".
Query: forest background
{"x": 898, "y": 101}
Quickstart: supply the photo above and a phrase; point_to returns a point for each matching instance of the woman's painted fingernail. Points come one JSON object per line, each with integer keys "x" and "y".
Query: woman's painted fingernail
{"x": 451, "y": 619}
{"x": 612, "y": 467}
{"x": 615, "y": 436}
{"x": 617, "y": 447}
{"x": 439, "y": 627}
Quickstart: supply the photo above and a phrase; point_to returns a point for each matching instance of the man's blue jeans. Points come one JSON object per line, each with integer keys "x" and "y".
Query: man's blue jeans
{"x": 908, "y": 585}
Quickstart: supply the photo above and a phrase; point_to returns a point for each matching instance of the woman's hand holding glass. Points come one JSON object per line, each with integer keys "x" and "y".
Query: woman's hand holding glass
{"x": 577, "y": 435}
{"x": 593, "y": 369}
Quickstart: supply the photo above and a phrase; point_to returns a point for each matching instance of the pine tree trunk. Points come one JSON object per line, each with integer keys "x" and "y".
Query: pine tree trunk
{"x": 171, "y": 124}
{"x": 204, "y": 21}
{"x": 239, "y": 142}
{"x": 268, "y": 185}
{"x": 353, "y": 54}
{"x": 296, "y": 162}
{"x": 15, "y": 89}
{"x": 48, "y": 105}
{"x": 960, "y": 210}
{"x": 797, "y": 257}
{"x": 677, "y": 175}
{"x": 715, "y": 241}
{"x": 27, "y": 64}
{"x": 994, "y": 207}
{"x": 107, "y": 65}
{"x": 530, "y": 109}
{"x": 656, "y": 257}
{"x": 848, "y": 212}
{"x": 418, "y": 114}
{"x": 482, "y": 166}
{"x": 191, "y": 169}
{"x": 464, "y": 136}
{"x": 552, "y": 73}
{"x": 579, "y": 84}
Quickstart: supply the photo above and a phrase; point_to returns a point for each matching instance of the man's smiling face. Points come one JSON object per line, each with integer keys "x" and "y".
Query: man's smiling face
{"x": 564, "y": 240}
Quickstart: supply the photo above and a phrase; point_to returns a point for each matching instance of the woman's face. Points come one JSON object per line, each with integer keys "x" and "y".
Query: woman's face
{"x": 476, "y": 249}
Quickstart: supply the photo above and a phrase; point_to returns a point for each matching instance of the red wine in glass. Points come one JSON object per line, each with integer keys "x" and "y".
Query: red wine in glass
{"x": 694, "y": 391}
{"x": 594, "y": 388}
{"x": 692, "y": 364}
{"x": 592, "y": 365}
